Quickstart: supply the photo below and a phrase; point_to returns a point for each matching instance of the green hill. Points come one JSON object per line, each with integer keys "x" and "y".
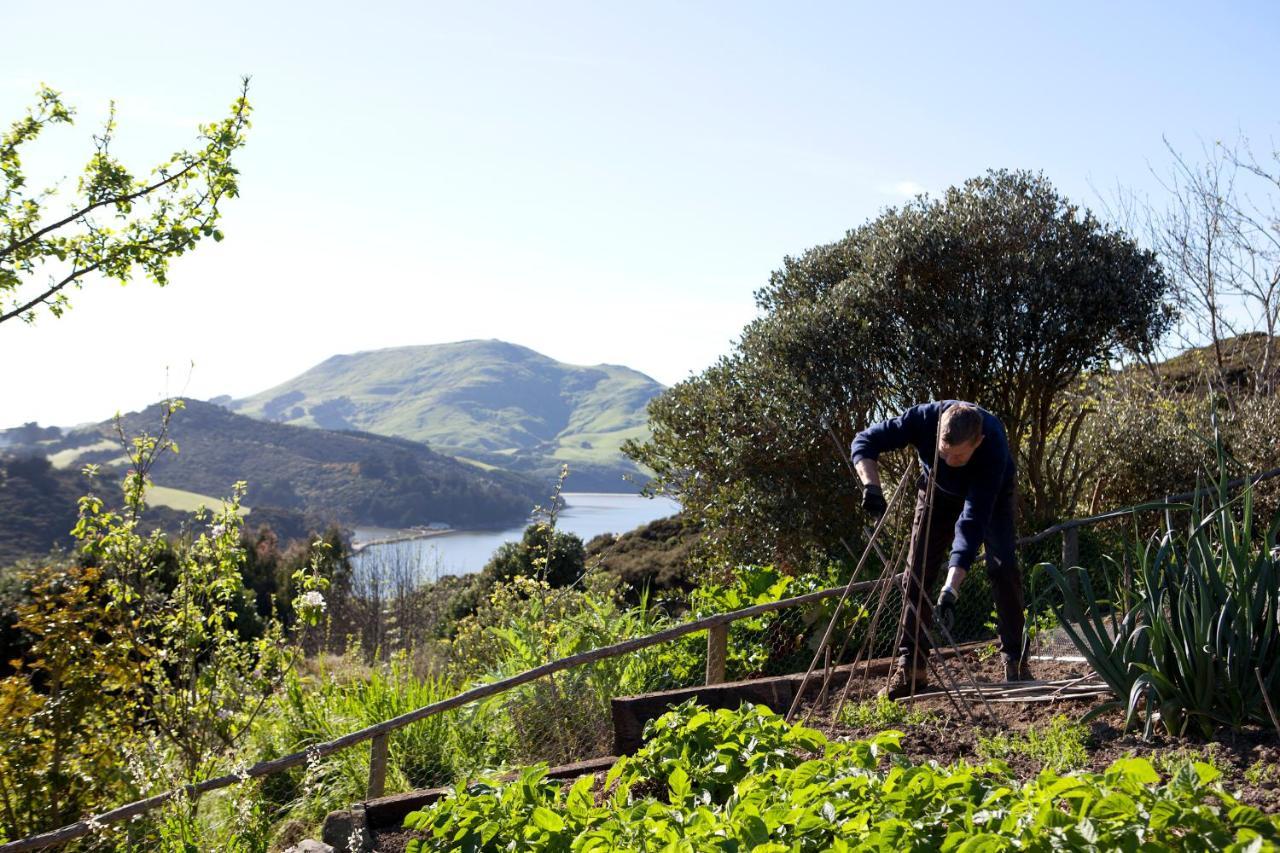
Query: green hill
{"x": 353, "y": 479}
{"x": 488, "y": 402}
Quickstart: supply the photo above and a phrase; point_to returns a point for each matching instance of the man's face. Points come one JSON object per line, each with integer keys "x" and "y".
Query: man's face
{"x": 956, "y": 455}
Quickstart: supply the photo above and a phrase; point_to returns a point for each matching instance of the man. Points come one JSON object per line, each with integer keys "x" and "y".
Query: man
{"x": 973, "y": 506}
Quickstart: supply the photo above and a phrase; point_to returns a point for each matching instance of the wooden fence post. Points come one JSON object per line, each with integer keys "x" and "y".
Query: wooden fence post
{"x": 1070, "y": 548}
{"x": 717, "y": 651}
{"x": 377, "y": 766}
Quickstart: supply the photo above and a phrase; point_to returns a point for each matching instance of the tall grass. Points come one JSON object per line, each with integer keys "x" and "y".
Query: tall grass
{"x": 342, "y": 695}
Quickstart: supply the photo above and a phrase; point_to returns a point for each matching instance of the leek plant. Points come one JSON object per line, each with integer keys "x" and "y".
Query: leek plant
{"x": 1195, "y": 644}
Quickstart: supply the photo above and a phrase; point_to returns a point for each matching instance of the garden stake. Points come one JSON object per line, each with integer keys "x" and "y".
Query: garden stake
{"x": 944, "y": 664}
{"x": 886, "y": 575}
{"x": 953, "y": 693}
{"x": 1271, "y": 712}
{"x": 890, "y": 573}
{"x": 930, "y": 491}
{"x": 826, "y": 637}
{"x": 964, "y": 664}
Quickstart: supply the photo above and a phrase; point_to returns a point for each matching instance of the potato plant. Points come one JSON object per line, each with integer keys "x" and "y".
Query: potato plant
{"x": 746, "y": 781}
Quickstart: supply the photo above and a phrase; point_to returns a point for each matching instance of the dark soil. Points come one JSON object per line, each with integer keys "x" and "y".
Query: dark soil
{"x": 948, "y": 737}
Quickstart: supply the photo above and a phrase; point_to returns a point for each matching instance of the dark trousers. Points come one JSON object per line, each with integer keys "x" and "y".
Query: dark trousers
{"x": 925, "y": 558}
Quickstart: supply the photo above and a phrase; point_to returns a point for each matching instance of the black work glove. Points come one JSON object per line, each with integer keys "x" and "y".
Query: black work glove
{"x": 944, "y": 612}
{"x": 873, "y": 501}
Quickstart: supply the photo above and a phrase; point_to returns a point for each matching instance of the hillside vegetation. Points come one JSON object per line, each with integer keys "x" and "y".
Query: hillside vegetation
{"x": 343, "y": 477}
{"x": 39, "y": 507}
{"x": 488, "y": 401}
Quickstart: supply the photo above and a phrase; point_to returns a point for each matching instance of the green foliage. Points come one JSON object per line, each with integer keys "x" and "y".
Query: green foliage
{"x": 1197, "y": 644}
{"x": 796, "y": 792}
{"x": 118, "y": 222}
{"x": 525, "y": 623}
{"x": 329, "y": 473}
{"x": 140, "y": 674}
{"x": 542, "y": 552}
{"x": 710, "y": 752}
{"x": 774, "y": 642}
{"x": 1002, "y": 292}
{"x": 1262, "y": 772}
{"x": 1058, "y": 746}
{"x": 73, "y": 699}
{"x": 1142, "y": 441}
{"x": 1172, "y": 761}
{"x": 1148, "y": 434}
{"x": 883, "y": 713}
{"x": 340, "y": 696}
{"x": 657, "y": 557}
{"x": 37, "y": 507}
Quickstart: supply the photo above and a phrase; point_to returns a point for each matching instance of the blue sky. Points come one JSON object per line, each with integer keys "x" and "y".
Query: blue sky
{"x": 601, "y": 182}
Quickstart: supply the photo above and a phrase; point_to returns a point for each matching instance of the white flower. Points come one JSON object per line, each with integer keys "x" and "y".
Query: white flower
{"x": 313, "y": 600}
{"x": 218, "y": 529}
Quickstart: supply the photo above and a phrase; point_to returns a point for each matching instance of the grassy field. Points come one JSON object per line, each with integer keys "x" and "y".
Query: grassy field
{"x": 67, "y": 458}
{"x": 185, "y": 501}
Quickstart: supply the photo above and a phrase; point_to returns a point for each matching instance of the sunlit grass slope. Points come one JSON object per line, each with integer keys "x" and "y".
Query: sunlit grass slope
{"x": 489, "y": 401}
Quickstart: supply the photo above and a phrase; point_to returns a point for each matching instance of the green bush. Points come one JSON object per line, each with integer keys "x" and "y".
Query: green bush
{"x": 344, "y": 697}
{"x": 526, "y": 623}
{"x": 710, "y": 752}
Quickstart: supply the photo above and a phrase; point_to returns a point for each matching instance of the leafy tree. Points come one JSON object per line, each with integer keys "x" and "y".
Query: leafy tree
{"x": 542, "y": 552}
{"x": 117, "y": 223}
{"x": 1001, "y": 292}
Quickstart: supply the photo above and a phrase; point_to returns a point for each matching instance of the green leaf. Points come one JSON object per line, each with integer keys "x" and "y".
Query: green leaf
{"x": 544, "y": 818}
{"x": 985, "y": 842}
{"x": 1137, "y": 770}
{"x": 678, "y": 782}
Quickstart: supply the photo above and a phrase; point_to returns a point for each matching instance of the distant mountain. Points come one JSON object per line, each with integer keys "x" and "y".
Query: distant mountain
{"x": 354, "y": 479}
{"x": 489, "y": 402}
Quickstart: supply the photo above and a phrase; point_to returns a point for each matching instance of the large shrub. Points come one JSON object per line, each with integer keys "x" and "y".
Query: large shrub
{"x": 138, "y": 676}
{"x": 1001, "y": 292}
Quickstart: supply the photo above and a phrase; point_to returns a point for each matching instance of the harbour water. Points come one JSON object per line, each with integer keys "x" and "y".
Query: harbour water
{"x": 460, "y": 552}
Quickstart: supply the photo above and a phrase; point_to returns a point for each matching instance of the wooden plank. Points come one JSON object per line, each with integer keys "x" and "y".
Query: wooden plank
{"x": 388, "y": 812}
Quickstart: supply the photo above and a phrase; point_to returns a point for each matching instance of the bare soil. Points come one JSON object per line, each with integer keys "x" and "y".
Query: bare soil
{"x": 948, "y": 737}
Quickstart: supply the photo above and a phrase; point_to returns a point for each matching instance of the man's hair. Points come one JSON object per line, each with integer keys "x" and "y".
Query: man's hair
{"x": 960, "y": 424}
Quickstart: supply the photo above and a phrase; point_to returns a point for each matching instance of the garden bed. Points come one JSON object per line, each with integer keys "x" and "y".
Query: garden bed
{"x": 1028, "y": 736}
{"x": 1249, "y": 760}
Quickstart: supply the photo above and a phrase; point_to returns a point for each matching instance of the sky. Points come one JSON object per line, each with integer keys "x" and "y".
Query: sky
{"x": 601, "y": 182}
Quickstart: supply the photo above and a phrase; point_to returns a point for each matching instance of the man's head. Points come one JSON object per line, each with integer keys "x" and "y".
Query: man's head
{"x": 959, "y": 434}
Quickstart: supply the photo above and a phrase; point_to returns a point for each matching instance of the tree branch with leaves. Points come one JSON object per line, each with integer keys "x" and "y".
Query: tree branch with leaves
{"x": 117, "y": 224}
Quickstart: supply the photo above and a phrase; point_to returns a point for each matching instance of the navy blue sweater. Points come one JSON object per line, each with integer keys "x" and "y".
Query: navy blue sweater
{"x": 979, "y": 482}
